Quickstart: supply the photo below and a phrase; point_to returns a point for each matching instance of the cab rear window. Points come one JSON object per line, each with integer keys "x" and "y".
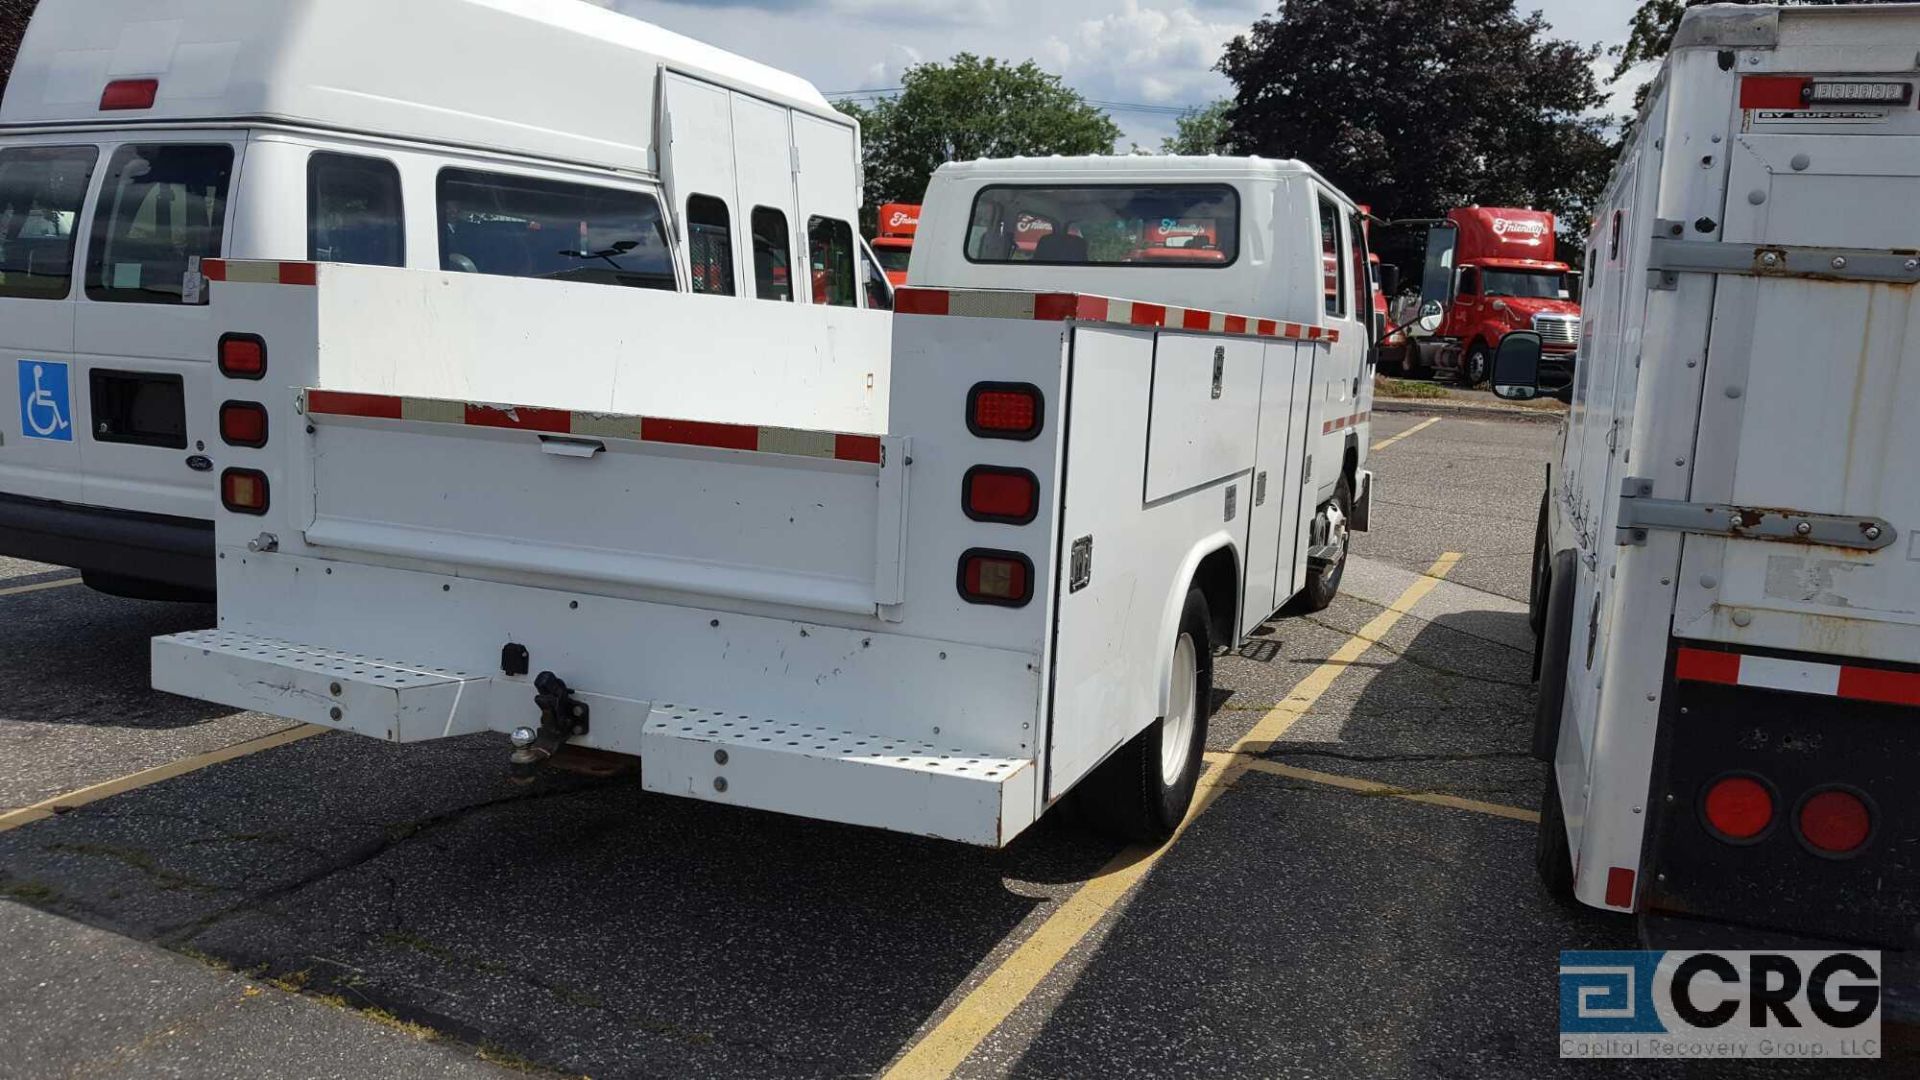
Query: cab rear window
{"x": 520, "y": 226}
{"x": 42, "y": 189}
{"x": 161, "y": 206}
{"x": 1164, "y": 225}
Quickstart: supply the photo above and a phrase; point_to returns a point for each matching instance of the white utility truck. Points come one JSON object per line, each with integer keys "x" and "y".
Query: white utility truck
{"x": 1727, "y": 575}
{"x": 939, "y": 623}
{"x": 517, "y": 138}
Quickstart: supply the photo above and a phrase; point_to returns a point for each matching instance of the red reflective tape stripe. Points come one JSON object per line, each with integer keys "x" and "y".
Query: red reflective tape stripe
{"x": 1266, "y": 328}
{"x": 1148, "y": 315}
{"x": 1619, "y": 887}
{"x": 700, "y": 433}
{"x": 1056, "y": 307}
{"x": 1700, "y": 665}
{"x": 857, "y": 448}
{"x": 1236, "y": 324}
{"x": 1196, "y": 320}
{"x": 299, "y": 273}
{"x": 213, "y": 269}
{"x": 337, "y": 403}
{"x": 520, "y": 418}
{"x": 1772, "y": 92}
{"x": 922, "y": 302}
{"x": 1878, "y": 684}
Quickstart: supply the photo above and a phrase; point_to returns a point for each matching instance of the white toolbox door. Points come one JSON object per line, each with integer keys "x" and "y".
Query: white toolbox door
{"x": 1274, "y": 522}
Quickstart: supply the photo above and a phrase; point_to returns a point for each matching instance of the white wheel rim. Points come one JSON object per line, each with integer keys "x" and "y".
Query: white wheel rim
{"x": 1176, "y": 731}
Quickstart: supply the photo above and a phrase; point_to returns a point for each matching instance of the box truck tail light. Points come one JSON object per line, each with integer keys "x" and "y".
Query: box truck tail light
{"x": 1835, "y": 821}
{"x": 1006, "y": 496}
{"x": 996, "y": 577}
{"x": 243, "y": 356}
{"x": 243, "y": 423}
{"x": 1738, "y": 809}
{"x": 244, "y": 491}
{"x": 129, "y": 94}
{"x": 1004, "y": 410}
{"x": 1797, "y": 92}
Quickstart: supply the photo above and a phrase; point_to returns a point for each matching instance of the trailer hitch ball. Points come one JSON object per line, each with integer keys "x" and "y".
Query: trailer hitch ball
{"x": 562, "y": 716}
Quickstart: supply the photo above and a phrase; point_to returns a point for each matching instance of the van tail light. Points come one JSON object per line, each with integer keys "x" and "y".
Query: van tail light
{"x": 1738, "y": 809}
{"x": 243, "y": 356}
{"x": 996, "y": 577}
{"x": 129, "y": 94}
{"x": 1835, "y": 821}
{"x": 1006, "y": 496}
{"x": 1774, "y": 92}
{"x": 243, "y": 423}
{"x": 1005, "y": 410}
{"x": 244, "y": 491}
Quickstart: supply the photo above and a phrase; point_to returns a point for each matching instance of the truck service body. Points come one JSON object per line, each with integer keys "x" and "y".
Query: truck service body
{"x": 499, "y": 137}
{"x": 1488, "y": 271}
{"x": 941, "y": 619}
{"x": 1727, "y": 571}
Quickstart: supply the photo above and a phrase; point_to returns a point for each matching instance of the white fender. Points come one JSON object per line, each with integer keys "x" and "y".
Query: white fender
{"x": 1177, "y": 598}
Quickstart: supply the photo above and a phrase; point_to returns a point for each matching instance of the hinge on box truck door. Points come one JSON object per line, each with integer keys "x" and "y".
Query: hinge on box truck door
{"x": 1670, "y": 258}
{"x": 1640, "y": 513}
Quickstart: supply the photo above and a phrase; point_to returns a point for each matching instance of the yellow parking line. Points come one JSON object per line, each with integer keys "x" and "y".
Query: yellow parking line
{"x": 1369, "y": 787}
{"x": 1414, "y": 430}
{"x": 40, "y": 811}
{"x": 40, "y": 586}
{"x": 961, "y": 1031}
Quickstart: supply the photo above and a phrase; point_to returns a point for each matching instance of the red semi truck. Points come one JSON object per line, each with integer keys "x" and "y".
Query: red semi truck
{"x": 1489, "y": 271}
{"x": 893, "y": 240}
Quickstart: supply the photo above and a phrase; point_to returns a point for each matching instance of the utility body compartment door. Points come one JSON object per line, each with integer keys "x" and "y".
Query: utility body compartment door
{"x": 1812, "y": 386}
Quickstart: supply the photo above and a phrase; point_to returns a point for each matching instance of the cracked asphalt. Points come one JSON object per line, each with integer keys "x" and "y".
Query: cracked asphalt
{"x": 340, "y": 907}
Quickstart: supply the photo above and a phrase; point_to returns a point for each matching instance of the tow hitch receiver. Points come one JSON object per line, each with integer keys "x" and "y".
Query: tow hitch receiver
{"x": 562, "y": 717}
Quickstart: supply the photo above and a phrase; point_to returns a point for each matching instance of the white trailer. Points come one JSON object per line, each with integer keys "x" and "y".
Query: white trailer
{"x": 940, "y": 624}
{"x": 1728, "y": 563}
{"x": 520, "y": 138}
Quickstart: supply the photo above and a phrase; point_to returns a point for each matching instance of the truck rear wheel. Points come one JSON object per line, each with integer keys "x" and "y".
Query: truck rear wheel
{"x": 1476, "y": 365}
{"x": 1551, "y": 855}
{"x": 1143, "y": 791}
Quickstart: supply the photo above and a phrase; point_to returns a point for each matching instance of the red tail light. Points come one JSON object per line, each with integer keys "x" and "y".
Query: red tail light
{"x": 129, "y": 94}
{"x": 1835, "y": 821}
{"x": 996, "y": 577}
{"x": 1007, "y": 496}
{"x": 1738, "y": 808}
{"x": 1005, "y": 410}
{"x": 243, "y": 423}
{"x": 243, "y": 356}
{"x": 244, "y": 491}
{"x": 1774, "y": 92}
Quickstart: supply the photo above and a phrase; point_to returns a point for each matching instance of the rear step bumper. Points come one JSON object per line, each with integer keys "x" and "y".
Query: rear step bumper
{"x": 146, "y": 547}
{"x": 811, "y": 770}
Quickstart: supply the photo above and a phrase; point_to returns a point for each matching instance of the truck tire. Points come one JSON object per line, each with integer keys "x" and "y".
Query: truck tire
{"x": 1550, "y": 656}
{"x": 1323, "y": 583}
{"x": 1476, "y": 365}
{"x": 1552, "y": 858}
{"x": 1143, "y": 791}
{"x": 1540, "y": 578}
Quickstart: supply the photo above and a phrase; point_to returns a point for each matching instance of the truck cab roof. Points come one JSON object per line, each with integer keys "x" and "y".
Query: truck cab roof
{"x": 553, "y": 79}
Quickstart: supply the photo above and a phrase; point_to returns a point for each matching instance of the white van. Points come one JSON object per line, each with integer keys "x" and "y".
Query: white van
{"x": 525, "y": 138}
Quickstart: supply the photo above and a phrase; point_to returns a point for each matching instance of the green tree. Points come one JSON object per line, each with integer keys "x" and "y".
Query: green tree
{"x": 13, "y": 23}
{"x": 1419, "y": 106}
{"x": 971, "y": 107}
{"x": 1199, "y": 131}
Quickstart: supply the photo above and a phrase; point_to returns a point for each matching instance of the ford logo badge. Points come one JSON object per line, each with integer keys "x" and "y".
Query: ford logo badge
{"x": 200, "y": 463}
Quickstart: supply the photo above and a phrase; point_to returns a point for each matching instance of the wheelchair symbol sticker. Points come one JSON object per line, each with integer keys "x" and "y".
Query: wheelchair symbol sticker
{"x": 45, "y": 411}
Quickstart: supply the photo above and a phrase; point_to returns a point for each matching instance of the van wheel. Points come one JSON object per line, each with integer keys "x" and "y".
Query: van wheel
{"x": 1476, "y": 365}
{"x": 1323, "y": 582}
{"x": 1143, "y": 791}
{"x": 1551, "y": 855}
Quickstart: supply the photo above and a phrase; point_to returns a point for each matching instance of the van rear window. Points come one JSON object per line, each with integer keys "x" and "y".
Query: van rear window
{"x": 41, "y": 191}
{"x": 521, "y": 226}
{"x": 160, "y": 207}
{"x": 1165, "y": 225}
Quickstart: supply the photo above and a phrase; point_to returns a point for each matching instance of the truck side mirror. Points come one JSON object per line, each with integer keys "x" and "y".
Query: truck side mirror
{"x": 1516, "y": 367}
{"x": 1431, "y": 316}
{"x": 1389, "y": 278}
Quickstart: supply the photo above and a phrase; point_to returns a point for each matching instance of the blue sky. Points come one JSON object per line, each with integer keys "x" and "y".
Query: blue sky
{"x": 1155, "y": 53}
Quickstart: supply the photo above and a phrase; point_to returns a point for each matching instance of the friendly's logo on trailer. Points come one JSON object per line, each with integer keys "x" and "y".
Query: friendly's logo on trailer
{"x": 1657, "y": 1004}
{"x": 45, "y": 404}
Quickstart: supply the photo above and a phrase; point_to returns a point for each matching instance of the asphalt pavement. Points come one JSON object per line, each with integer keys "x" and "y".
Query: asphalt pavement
{"x": 1356, "y": 900}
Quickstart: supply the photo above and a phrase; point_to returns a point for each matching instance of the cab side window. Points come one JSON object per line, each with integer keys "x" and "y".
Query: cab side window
{"x": 1362, "y": 267}
{"x": 1335, "y": 283}
{"x": 354, "y": 211}
{"x": 1470, "y": 281}
{"x": 830, "y": 250}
